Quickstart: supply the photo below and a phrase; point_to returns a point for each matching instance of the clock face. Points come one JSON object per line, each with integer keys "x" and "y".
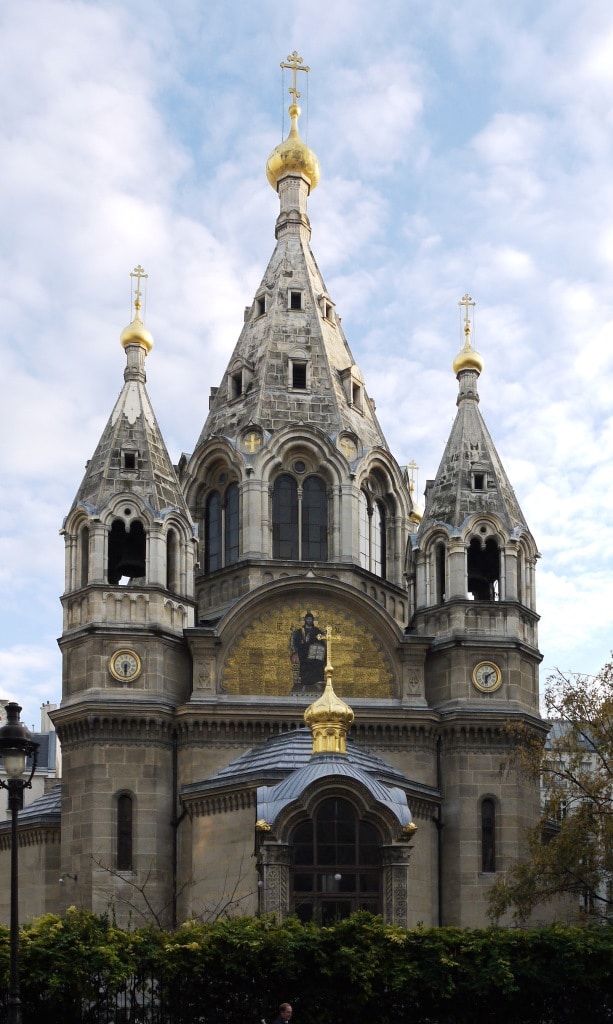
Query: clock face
{"x": 125, "y": 665}
{"x": 487, "y": 676}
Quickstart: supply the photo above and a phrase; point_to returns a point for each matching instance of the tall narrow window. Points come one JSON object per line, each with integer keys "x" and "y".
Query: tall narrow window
{"x": 373, "y": 535}
{"x": 124, "y": 832}
{"x": 221, "y": 529}
{"x": 439, "y": 556}
{"x": 314, "y": 520}
{"x": 378, "y": 548}
{"x": 336, "y": 864}
{"x": 172, "y": 561}
{"x": 285, "y": 518}
{"x": 84, "y": 556}
{"x": 488, "y": 835}
{"x": 212, "y": 533}
{"x": 231, "y": 525}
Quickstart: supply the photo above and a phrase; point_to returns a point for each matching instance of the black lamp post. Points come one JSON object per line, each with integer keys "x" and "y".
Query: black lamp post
{"x": 16, "y": 745}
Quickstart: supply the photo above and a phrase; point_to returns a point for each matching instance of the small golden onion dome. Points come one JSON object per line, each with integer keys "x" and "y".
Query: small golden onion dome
{"x": 292, "y": 156}
{"x": 329, "y": 718}
{"x": 136, "y": 333}
{"x": 467, "y": 359}
{"x": 416, "y": 515}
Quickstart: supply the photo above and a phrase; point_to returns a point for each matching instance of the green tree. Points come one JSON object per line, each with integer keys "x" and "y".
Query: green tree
{"x": 570, "y": 851}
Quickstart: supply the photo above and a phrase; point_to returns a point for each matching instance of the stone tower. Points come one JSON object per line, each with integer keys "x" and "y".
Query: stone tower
{"x": 130, "y": 552}
{"x": 471, "y": 577}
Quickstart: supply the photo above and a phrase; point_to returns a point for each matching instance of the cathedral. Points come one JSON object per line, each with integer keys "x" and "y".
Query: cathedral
{"x": 285, "y": 688}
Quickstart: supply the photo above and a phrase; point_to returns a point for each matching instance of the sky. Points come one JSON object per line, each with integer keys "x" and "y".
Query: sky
{"x": 464, "y": 147}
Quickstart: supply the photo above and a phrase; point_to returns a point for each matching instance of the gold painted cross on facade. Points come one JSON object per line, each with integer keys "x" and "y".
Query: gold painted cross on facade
{"x": 294, "y": 63}
{"x": 252, "y": 442}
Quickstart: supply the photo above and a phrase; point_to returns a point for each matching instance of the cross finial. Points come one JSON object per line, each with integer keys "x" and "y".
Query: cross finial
{"x": 295, "y": 64}
{"x": 413, "y": 468}
{"x": 140, "y": 275}
{"x": 467, "y": 302}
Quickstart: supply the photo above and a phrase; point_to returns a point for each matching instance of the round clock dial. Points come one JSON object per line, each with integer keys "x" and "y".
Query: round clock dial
{"x": 487, "y": 676}
{"x": 125, "y": 665}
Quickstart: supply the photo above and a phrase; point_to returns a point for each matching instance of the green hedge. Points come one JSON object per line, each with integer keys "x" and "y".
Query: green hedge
{"x": 360, "y": 971}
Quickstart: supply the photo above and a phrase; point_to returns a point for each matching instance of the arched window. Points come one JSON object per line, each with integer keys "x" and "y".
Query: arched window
{"x": 314, "y": 520}
{"x": 483, "y": 568}
{"x": 125, "y": 828}
{"x": 84, "y": 556}
{"x": 373, "y": 532}
{"x": 488, "y": 835}
{"x": 300, "y": 519}
{"x": 221, "y": 523}
{"x": 172, "y": 561}
{"x": 336, "y": 864}
{"x": 439, "y": 570}
{"x": 231, "y": 525}
{"x": 127, "y": 552}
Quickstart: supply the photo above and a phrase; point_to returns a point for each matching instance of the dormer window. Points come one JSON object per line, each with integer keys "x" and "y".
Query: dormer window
{"x": 299, "y": 375}
{"x": 239, "y": 378}
{"x": 327, "y": 308}
{"x": 129, "y": 459}
{"x": 353, "y": 386}
{"x": 294, "y": 299}
{"x": 479, "y": 481}
{"x": 260, "y": 305}
{"x": 236, "y": 384}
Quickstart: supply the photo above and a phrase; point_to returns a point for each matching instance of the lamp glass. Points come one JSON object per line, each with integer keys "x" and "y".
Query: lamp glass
{"x": 14, "y": 763}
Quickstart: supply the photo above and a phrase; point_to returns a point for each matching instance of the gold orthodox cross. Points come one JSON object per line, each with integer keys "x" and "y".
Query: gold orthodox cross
{"x": 140, "y": 275}
{"x": 251, "y": 443}
{"x": 412, "y": 467}
{"x": 294, "y": 63}
{"x": 467, "y": 302}
{"x": 328, "y": 636}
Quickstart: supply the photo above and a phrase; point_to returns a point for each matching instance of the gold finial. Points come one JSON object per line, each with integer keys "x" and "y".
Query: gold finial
{"x": 412, "y": 470}
{"x": 468, "y": 358}
{"x": 467, "y": 302}
{"x": 136, "y": 333}
{"x": 140, "y": 275}
{"x": 294, "y": 63}
{"x": 293, "y": 156}
{"x": 329, "y": 717}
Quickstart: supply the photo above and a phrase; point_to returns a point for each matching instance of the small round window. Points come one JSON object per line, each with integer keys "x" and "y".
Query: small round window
{"x": 300, "y": 466}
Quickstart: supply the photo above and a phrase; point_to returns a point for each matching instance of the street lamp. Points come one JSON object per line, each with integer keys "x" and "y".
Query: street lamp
{"x": 16, "y": 745}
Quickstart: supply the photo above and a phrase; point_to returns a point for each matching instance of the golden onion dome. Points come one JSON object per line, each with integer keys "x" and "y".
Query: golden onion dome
{"x": 329, "y": 718}
{"x": 136, "y": 333}
{"x": 467, "y": 358}
{"x": 293, "y": 156}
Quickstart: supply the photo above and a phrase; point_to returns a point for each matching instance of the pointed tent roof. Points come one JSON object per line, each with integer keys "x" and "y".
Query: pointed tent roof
{"x": 292, "y": 319}
{"x": 132, "y": 428}
{"x": 470, "y": 453}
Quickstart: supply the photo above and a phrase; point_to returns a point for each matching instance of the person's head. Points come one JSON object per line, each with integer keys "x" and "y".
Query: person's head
{"x": 308, "y": 621}
{"x": 285, "y": 1010}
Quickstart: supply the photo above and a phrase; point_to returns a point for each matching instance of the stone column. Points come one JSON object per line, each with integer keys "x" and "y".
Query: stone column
{"x": 395, "y": 884}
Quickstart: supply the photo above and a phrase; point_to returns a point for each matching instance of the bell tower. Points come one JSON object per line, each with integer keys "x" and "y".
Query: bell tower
{"x": 471, "y": 580}
{"x": 129, "y": 571}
